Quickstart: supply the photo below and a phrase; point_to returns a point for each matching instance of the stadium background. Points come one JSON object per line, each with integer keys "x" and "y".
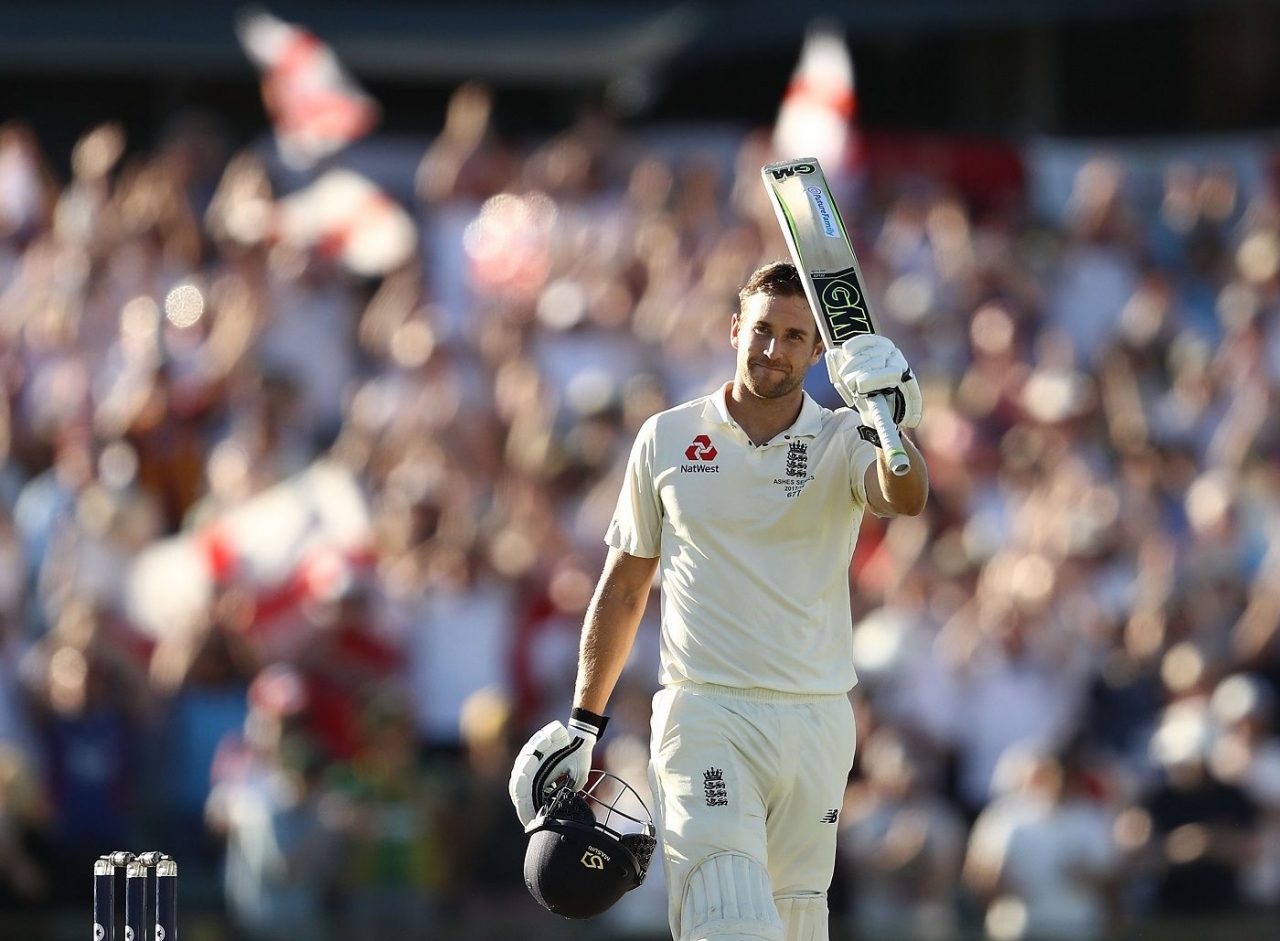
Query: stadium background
{"x": 1068, "y": 211}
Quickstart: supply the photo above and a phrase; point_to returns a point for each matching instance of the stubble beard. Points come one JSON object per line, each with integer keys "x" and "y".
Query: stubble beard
{"x": 774, "y": 389}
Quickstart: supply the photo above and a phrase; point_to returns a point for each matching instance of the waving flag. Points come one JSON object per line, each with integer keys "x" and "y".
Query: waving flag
{"x": 346, "y": 217}
{"x": 315, "y": 107}
{"x": 816, "y": 117}
{"x": 296, "y": 540}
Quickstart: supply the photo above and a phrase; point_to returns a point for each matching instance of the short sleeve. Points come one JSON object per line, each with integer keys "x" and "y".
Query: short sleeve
{"x": 636, "y": 527}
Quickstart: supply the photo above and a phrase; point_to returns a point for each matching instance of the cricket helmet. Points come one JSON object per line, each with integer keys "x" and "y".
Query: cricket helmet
{"x": 579, "y": 862}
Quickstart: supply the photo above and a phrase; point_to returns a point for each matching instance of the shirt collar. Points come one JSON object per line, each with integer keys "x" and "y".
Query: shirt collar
{"x": 808, "y": 422}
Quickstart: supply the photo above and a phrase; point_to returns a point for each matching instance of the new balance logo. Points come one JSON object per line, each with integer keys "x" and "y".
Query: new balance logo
{"x": 831, "y": 816}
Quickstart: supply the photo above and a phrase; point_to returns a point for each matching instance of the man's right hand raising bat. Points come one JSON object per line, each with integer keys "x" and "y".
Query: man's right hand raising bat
{"x": 876, "y": 380}
{"x": 870, "y": 366}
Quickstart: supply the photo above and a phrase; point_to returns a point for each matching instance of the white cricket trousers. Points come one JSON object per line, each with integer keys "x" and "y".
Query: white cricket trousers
{"x": 755, "y": 779}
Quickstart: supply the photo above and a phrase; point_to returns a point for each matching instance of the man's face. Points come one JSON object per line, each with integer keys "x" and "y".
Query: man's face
{"x": 776, "y": 340}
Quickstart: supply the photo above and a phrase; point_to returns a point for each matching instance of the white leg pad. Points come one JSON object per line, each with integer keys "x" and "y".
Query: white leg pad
{"x": 727, "y": 897}
{"x": 805, "y": 916}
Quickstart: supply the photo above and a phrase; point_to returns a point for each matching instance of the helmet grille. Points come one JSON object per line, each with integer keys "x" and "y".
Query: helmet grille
{"x": 570, "y": 805}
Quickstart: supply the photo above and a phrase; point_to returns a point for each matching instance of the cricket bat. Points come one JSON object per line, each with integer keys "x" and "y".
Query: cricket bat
{"x": 833, "y": 282}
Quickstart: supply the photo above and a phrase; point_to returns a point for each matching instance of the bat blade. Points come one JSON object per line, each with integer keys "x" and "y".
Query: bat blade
{"x": 833, "y": 282}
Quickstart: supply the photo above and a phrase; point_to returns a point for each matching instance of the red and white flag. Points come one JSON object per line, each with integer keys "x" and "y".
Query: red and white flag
{"x": 816, "y": 117}
{"x": 315, "y": 106}
{"x": 346, "y": 217}
{"x": 301, "y": 539}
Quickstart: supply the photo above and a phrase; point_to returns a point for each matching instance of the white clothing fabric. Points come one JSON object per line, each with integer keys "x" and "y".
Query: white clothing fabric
{"x": 1008, "y": 703}
{"x": 1047, "y": 854}
{"x": 753, "y": 773}
{"x": 755, "y": 544}
{"x": 458, "y": 647}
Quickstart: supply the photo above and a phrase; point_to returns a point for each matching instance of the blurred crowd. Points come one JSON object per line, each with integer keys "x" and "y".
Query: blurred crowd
{"x": 1068, "y": 663}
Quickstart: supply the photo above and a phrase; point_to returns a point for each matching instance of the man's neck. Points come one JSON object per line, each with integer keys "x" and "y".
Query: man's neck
{"x": 762, "y": 419}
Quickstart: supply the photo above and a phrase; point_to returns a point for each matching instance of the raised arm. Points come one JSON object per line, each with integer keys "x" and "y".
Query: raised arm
{"x": 863, "y": 368}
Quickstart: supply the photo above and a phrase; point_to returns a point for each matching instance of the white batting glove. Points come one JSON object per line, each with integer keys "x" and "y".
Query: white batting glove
{"x": 871, "y": 365}
{"x": 557, "y": 755}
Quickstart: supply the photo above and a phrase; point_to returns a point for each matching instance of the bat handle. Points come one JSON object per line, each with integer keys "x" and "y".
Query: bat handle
{"x": 890, "y": 440}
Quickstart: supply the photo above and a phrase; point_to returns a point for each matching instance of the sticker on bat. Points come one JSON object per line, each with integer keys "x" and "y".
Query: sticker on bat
{"x": 842, "y": 304}
{"x": 818, "y": 196}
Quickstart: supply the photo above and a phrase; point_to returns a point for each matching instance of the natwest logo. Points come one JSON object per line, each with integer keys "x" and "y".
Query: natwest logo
{"x": 701, "y": 450}
{"x": 700, "y": 454}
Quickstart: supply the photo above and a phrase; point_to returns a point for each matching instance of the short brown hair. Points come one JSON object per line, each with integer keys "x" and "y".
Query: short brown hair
{"x": 777, "y": 279}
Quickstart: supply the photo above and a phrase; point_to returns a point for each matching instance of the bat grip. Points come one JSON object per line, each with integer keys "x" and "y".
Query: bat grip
{"x": 890, "y": 440}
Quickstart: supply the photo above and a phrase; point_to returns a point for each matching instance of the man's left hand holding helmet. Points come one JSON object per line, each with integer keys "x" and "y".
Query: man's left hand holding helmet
{"x": 556, "y": 756}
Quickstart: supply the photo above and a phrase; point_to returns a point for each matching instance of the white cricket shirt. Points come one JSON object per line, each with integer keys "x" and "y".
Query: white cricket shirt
{"x": 755, "y": 544}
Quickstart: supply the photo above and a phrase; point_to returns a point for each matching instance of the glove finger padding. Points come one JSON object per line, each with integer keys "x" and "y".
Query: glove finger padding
{"x": 552, "y": 758}
{"x": 872, "y": 365}
{"x": 870, "y": 347}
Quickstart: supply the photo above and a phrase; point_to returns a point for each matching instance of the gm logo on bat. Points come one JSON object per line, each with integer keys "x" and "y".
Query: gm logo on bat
{"x": 781, "y": 173}
{"x": 842, "y": 304}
